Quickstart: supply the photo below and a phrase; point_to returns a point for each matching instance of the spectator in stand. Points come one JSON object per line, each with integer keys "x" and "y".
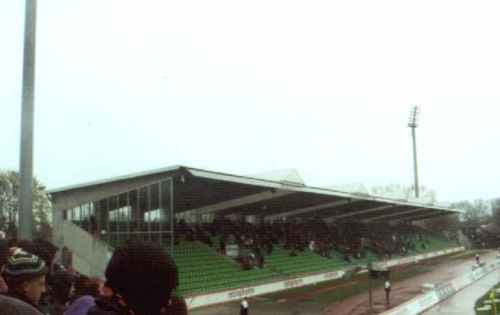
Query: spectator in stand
{"x": 269, "y": 246}
{"x": 352, "y": 240}
{"x": 24, "y": 274}
{"x": 222, "y": 245}
{"x": 143, "y": 278}
{"x": 259, "y": 257}
{"x": 312, "y": 246}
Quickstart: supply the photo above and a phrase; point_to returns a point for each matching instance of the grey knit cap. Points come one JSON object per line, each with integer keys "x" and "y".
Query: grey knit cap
{"x": 24, "y": 265}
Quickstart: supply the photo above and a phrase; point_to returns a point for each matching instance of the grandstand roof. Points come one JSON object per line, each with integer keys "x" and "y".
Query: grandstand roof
{"x": 274, "y": 194}
{"x": 291, "y": 176}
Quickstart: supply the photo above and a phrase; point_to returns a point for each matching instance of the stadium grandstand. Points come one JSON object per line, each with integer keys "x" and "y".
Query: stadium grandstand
{"x": 228, "y": 231}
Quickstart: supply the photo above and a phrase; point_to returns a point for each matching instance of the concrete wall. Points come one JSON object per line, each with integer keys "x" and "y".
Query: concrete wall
{"x": 90, "y": 256}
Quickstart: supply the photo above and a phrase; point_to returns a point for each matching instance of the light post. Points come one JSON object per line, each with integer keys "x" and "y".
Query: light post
{"x": 27, "y": 113}
{"x": 413, "y": 124}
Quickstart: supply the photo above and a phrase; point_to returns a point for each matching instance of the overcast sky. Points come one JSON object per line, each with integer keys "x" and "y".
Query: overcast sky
{"x": 250, "y": 86}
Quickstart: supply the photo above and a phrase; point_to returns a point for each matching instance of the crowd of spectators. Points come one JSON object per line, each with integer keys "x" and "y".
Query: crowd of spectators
{"x": 256, "y": 241}
{"x": 350, "y": 240}
{"x": 31, "y": 283}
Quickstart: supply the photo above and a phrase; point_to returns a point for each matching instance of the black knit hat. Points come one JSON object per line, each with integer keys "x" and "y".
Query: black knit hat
{"x": 24, "y": 266}
{"x": 62, "y": 279}
{"x": 144, "y": 275}
{"x": 41, "y": 248}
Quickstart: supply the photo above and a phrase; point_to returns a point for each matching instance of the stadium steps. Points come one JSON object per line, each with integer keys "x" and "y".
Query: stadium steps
{"x": 202, "y": 270}
{"x": 433, "y": 243}
{"x": 305, "y": 262}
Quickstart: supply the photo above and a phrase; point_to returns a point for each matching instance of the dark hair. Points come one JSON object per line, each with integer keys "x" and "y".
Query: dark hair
{"x": 144, "y": 275}
{"x": 62, "y": 281}
{"x": 86, "y": 286}
{"x": 40, "y": 247}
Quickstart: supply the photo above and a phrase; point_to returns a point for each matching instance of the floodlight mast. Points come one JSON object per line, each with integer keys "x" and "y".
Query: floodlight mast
{"x": 27, "y": 112}
{"x": 413, "y": 124}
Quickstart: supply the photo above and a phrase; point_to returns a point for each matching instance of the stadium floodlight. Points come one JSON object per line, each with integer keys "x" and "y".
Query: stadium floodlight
{"x": 413, "y": 121}
{"x": 27, "y": 113}
{"x": 413, "y": 124}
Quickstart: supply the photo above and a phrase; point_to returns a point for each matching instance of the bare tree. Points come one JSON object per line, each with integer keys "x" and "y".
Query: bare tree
{"x": 476, "y": 212}
{"x": 443, "y": 223}
{"x": 495, "y": 209}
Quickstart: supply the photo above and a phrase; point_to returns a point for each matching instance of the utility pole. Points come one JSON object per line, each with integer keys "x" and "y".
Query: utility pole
{"x": 27, "y": 113}
{"x": 413, "y": 124}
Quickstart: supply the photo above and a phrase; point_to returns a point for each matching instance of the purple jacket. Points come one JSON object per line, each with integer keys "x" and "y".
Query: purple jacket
{"x": 80, "y": 306}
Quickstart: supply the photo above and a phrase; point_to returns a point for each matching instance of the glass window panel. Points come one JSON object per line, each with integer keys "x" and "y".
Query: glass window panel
{"x": 122, "y": 202}
{"x": 165, "y": 200}
{"x": 143, "y": 199}
{"x": 132, "y": 199}
{"x": 103, "y": 213}
{"x": 113, "y": 203}
{"x": 155, "y": 196}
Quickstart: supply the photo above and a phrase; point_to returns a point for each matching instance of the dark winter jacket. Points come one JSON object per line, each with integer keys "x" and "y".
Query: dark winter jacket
{"x": 13, "y": 306}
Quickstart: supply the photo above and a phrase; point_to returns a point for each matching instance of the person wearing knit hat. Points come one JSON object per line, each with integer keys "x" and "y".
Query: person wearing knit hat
{"x": 46, "y": 251}
{"x": 25, "y": 277}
